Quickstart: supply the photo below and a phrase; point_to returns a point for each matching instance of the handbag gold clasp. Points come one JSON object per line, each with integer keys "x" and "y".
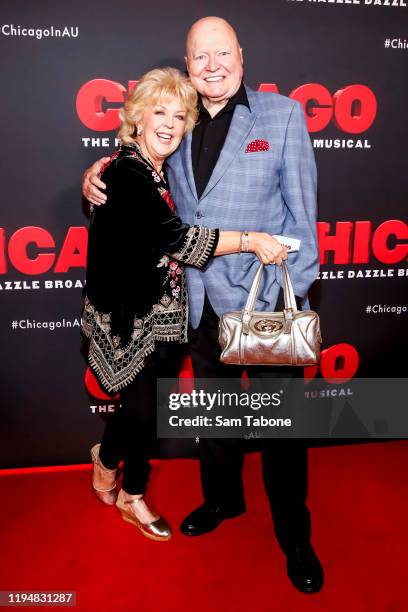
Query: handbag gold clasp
{"x": 268, "y": 326}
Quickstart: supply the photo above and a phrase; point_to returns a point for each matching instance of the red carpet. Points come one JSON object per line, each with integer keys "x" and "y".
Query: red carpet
{"x": 55, "y": 535}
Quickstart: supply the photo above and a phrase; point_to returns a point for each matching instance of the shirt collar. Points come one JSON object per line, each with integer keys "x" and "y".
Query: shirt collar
{"x": 240, "y": 97}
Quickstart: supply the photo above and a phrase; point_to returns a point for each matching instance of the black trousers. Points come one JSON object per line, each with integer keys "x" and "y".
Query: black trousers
{"x": 284, "y": 461}
{"x": 130, "y": 432}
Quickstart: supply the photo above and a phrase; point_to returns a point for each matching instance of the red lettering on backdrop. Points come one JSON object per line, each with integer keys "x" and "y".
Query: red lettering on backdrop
{"x": 18, "y": 246}
{"x": 340, "y": 242}
{"x": 25, "y": 243}
{"x": 3, "y": 260}
{"x": 93, "y": 387}
{"x": 74, "y": 250}
{"x": 317, "y": 103}
{"x": 362, "y": 235}
{"x": 132, "y": 85}
{"x": 186, "y": 376}
{"x": 348, "y": 241}
{"x": 271, "y": 87}
{"x": 90, "y": 104}
{"x": 352, "y": 108}
{"x": 381, "y": 249}
{"x": 338, "y": 364}
{"x": 355, "y": 108}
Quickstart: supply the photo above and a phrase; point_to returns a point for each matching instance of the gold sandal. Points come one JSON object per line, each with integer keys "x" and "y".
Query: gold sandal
{"x": 109, "y": 494}
{"x": 158, "y": 530}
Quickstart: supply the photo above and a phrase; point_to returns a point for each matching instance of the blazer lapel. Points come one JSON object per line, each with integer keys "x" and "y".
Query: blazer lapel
{"x": 242, "y": 121}
{"x": 185, "y": 152}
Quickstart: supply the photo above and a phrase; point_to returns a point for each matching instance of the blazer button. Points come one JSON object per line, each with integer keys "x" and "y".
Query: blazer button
{"x": 199, "y": 214}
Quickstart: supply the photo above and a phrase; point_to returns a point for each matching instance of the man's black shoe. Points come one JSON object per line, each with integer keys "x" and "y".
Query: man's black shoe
{"x": 304, "y": 569}
{"x": 203, "y": 520}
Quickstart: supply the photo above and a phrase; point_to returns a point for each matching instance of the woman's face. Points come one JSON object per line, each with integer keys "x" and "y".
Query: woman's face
{"x": 163, "y": 127}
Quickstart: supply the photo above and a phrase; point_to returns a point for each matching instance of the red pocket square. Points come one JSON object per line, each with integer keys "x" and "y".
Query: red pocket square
{"x": 257, "y": 145}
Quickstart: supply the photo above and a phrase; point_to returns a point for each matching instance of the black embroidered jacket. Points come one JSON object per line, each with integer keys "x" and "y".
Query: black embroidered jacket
{"x": 135, "y": 290}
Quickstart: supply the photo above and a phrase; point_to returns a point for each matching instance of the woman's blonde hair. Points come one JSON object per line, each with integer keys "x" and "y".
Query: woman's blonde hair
{"x": 154, "y": 86}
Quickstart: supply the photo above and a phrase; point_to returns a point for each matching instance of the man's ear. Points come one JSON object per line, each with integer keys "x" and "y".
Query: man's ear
{"x": 241, "y": 54}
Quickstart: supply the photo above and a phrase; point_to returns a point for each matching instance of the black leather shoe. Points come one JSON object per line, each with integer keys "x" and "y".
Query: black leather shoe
{"x": 204, "y": 519}
{"x": 304, "y": 569}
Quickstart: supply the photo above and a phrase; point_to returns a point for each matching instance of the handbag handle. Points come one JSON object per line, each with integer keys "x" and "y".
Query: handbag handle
{"x": 288, "y": 293}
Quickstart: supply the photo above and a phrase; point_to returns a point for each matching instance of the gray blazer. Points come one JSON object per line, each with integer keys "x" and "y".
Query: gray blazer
{"x": 270, "y": 191}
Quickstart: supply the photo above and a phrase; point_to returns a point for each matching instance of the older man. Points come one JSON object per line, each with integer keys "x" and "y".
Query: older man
{"x": 248, "y": 165}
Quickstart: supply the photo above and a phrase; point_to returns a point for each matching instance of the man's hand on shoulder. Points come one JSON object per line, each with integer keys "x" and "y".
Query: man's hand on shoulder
{"x": 92, "y": 185}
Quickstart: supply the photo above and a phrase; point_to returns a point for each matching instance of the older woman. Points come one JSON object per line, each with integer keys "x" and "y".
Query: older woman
{"x": 135, "y": 309}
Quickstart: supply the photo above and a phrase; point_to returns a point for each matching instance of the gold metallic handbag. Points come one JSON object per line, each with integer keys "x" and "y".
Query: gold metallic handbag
{"x": 291, "y": 337}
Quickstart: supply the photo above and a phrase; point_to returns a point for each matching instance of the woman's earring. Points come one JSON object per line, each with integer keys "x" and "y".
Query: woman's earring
{"x": 139, "y": 131}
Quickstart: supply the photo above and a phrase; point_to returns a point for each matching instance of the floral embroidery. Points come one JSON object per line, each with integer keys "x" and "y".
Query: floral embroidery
{"x": 174, "y": 274}
{"x": 164, "y": 261}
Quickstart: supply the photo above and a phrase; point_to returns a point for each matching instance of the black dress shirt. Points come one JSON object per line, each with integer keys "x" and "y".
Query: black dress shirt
{"x": 209, "y": 136}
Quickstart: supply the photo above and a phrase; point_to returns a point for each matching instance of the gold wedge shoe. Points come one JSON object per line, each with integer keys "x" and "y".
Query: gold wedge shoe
{"x": 158, "y": 530}
{"x": 106, "y": 492}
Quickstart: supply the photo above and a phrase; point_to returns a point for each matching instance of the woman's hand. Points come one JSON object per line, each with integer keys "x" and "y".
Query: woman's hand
{"x": 266, "y": 248}
{"x": 91, "y": 183}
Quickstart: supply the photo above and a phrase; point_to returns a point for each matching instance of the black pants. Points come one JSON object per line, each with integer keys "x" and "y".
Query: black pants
{"x": 284, "y": 461}
{"x": 130, "y": 432}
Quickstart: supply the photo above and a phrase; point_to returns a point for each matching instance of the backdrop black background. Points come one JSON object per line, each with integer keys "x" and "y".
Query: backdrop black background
{"x": 47, "y": 416}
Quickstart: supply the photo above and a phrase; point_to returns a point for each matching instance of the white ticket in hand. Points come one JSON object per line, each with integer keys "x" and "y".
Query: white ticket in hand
{"x": 292, "y": 244}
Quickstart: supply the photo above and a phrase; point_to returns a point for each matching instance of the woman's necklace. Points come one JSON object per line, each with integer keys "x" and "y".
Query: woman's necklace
{"x": 157, "y": 175}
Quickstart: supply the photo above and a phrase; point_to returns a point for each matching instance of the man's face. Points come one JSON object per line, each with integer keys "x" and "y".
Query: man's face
{"x": 214, "y": 61}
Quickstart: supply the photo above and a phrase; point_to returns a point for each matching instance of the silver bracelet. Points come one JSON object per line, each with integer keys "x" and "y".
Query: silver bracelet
{"x": 244, "y": 247}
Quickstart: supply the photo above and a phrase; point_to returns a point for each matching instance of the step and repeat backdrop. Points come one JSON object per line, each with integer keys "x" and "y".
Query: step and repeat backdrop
{"x": 65, "y": 70}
